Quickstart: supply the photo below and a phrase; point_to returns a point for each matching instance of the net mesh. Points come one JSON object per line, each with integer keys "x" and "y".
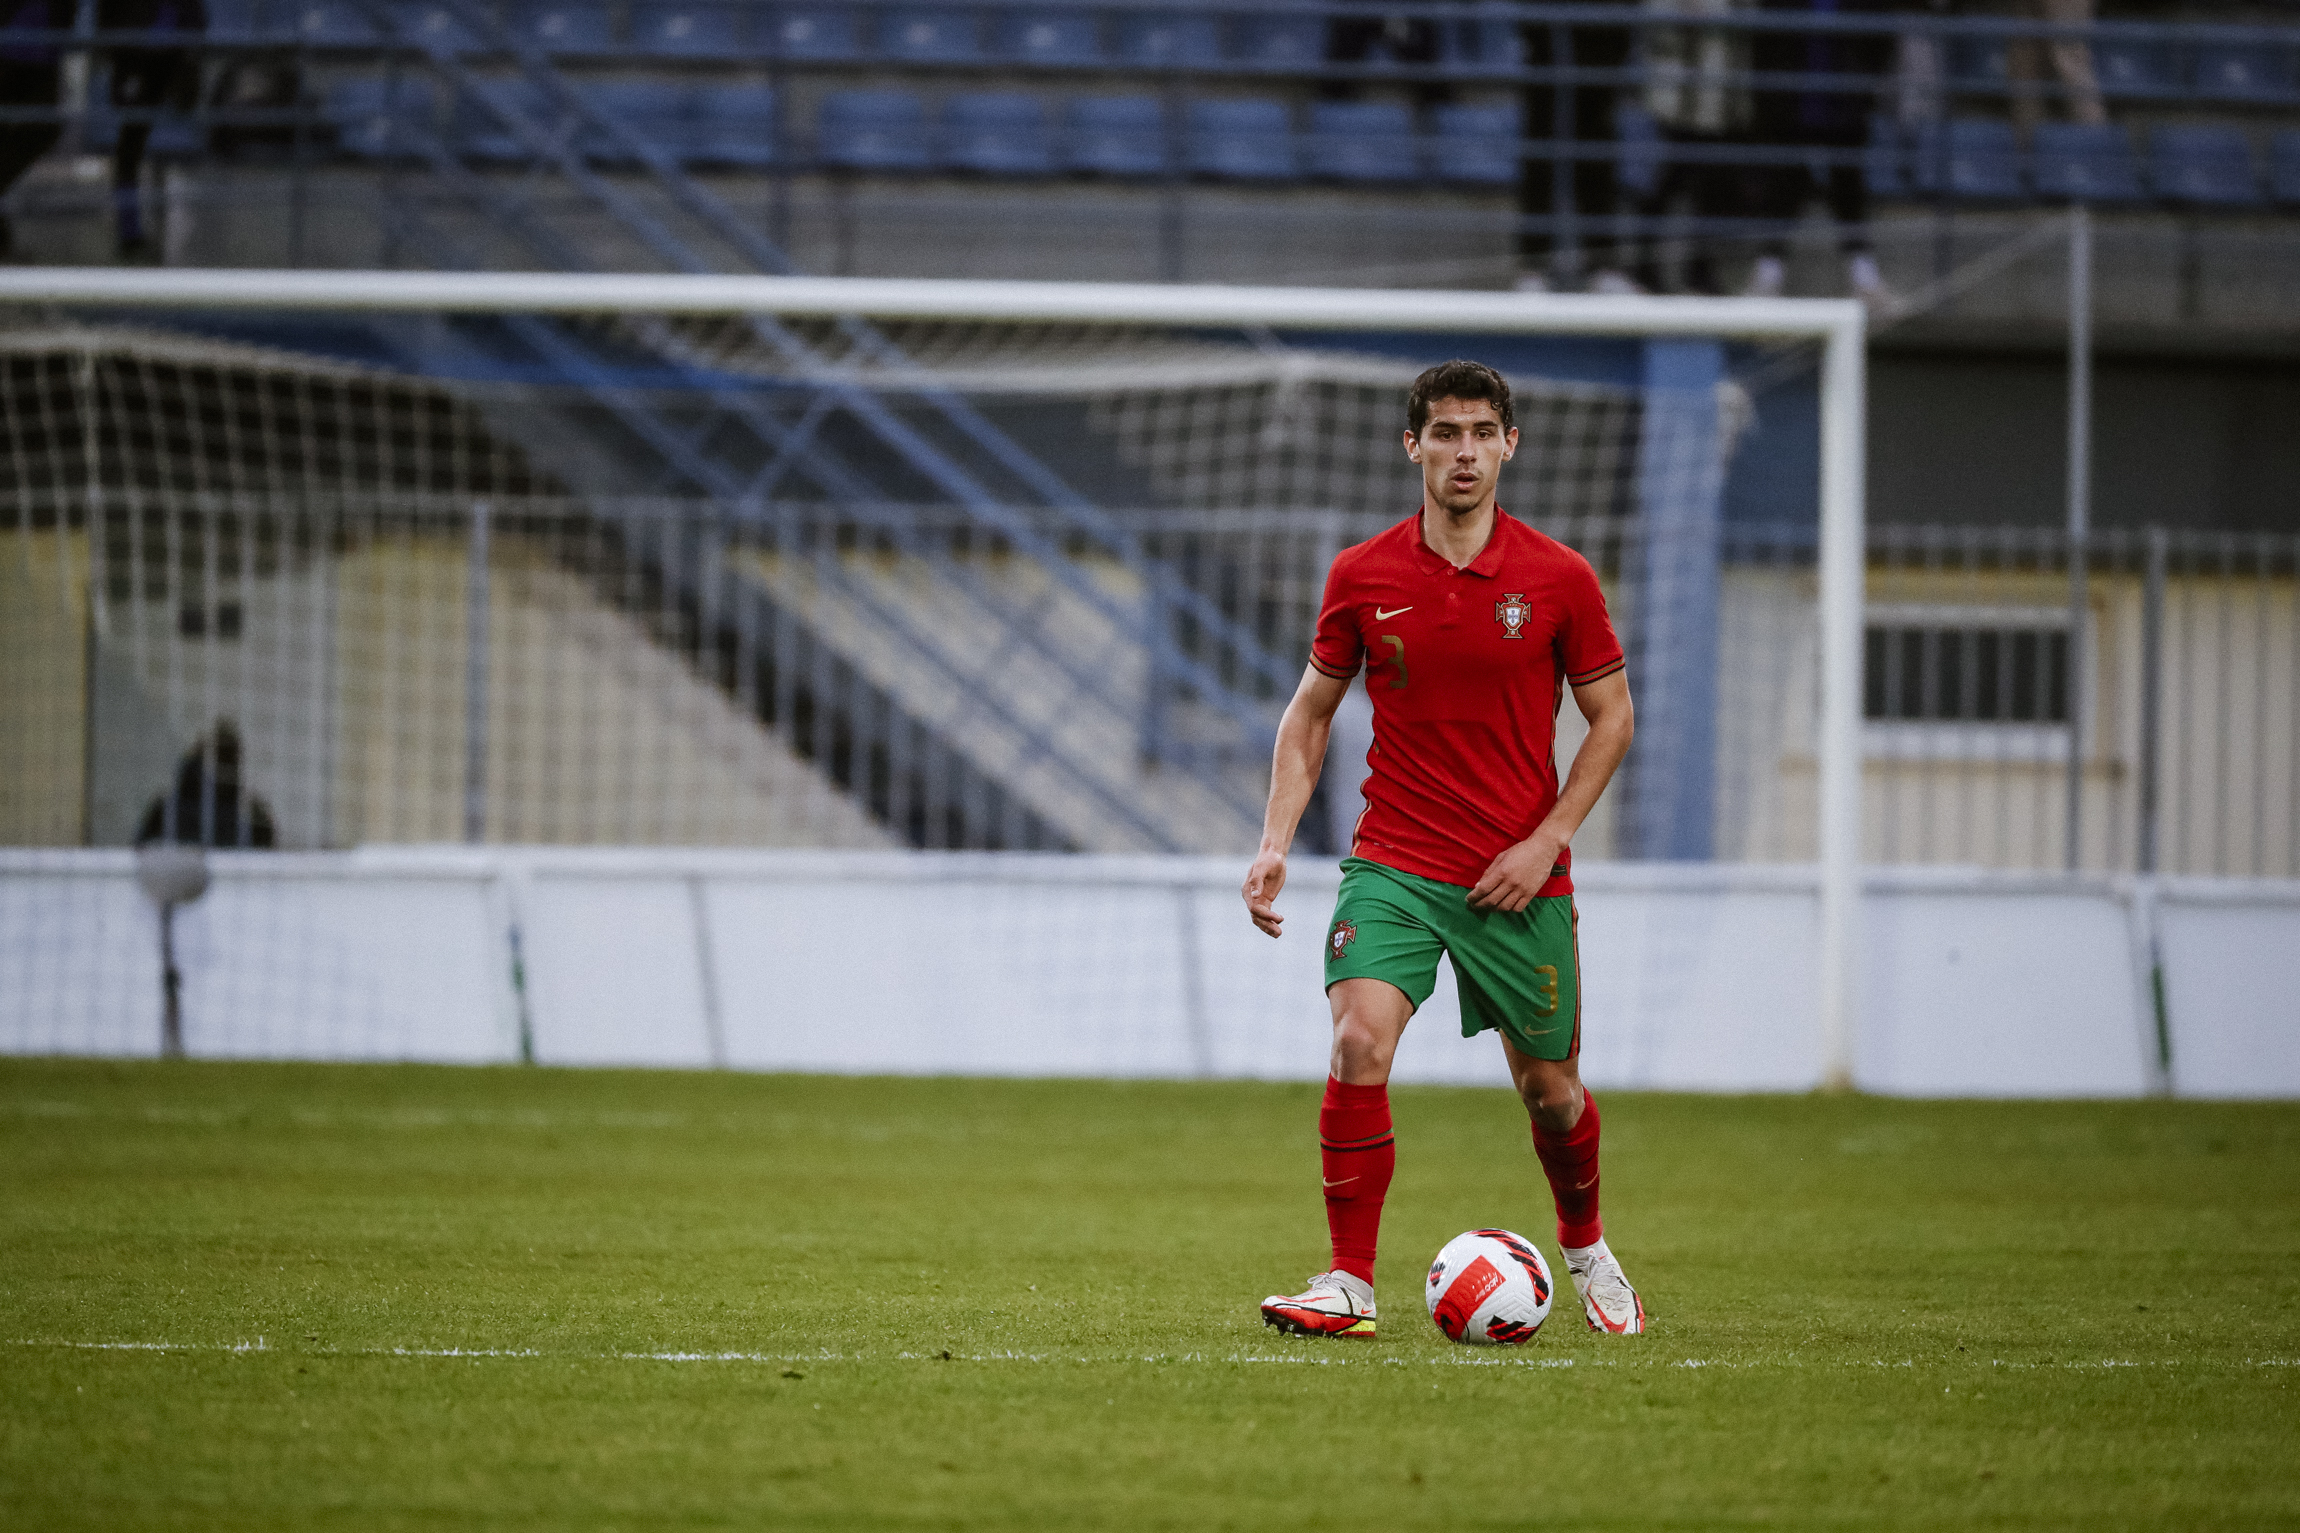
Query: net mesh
{"x": 617, "y": 583}
{"x": 412, "y": 585}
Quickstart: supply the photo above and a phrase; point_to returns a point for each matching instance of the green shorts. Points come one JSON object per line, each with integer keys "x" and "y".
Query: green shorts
{"x": 1519, "y": 974}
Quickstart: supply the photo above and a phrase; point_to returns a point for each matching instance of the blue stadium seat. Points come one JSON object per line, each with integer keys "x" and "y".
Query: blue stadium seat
{"x": 1051, "y": 37}
{"x": 2245, "y": 73}
{"x": 1980, "y": 63}
{"x": 1981, "y": 160}
{"x": 732, "y": 125}
{"x": 1287, "y": 42}
{"x": 177, "y": 137}
{"x": 233, "y": 21}
{"x": 1116, "y": 136}
{"x": 872, "y": 130}
{"x": 2205, "y": 165}
{"x": 685, "y": 31}
{"x": 1185, "y": 40}
{"x": 336, "y": 23}
{"x": 2128, "y": 68}
{"x": 1474, "y": 145}
{"x": 1472, "y": 46}
{"x": 374, "y": 114}
{"x": 1888, "y": 161}
{"x": 1361, "y": 141}
{"x": 1639, "y": 154}
{"x": 931, "y": 34}
{"x": 480, "y": 135}
{"x": 653, "y": 110}
{"x": 997, "y": 133}
{"x": 571, "y": 28}
{"x": 2284, "y": 167}
{"x": 434, "y": 26}
{"x": 820, "y": 33}
{"x": 2085, "y": 162}
{"x": 1242, "y": 140}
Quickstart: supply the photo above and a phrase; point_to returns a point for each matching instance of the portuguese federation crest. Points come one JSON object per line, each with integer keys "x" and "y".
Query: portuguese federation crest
{"x": 1339, "y": 939}
{"x": 1512, "y": 612}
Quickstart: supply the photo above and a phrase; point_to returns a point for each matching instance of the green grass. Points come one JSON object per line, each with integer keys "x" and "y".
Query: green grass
{"x": 1903, "y": 1314}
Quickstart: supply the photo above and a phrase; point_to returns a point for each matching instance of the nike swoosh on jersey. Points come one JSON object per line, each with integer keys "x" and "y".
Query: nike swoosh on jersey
{"x": 1382, "y": 617}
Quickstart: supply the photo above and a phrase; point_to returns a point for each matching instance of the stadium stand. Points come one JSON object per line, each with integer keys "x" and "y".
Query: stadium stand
{"x": 1050, "y": 37}
{"x": 874, "y": 130}
{"x": 2246, "y": 73}
{"x": 2086, "y": 162}
{"x": 566, "y": 31}
{"x": 2203, "y": 165}
{"x": 2284, "y": 168}
{"x": 2136, "y": 70}
{"x": 818, "y": 34}
{"x": 1249, "y": 139}
{"x": 1361, "y": 141}
{"x": 1474, "y": 145}
{"x": 1177, "y": 40}
{"x": 931, "y": 35}
{"x": 1983, "y": 161}
{"x": 997, "y": 134}
{"x": 1116, "y": 136}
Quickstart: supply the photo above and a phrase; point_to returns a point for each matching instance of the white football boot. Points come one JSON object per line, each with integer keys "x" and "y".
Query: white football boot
{"x": 1608, "y": 1303}
{"x": 1335, "y": 1304}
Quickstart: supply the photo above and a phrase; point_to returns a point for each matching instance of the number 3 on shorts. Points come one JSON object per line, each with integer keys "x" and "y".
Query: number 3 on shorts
{"x": 1547, "y": 990}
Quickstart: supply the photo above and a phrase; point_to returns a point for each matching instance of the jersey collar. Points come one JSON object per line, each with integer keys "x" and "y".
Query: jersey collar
{"x": 1488, "y": 560}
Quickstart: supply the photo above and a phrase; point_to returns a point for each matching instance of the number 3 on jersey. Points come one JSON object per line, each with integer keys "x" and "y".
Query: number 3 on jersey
{"x": 1396, "y": 661}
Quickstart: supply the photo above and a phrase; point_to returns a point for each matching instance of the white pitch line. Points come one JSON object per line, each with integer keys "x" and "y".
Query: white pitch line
{"x": 1464, "y": 1359}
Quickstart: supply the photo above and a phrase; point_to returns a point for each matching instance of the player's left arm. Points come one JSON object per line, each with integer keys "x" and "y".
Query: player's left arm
{"x": 1516, "y": 876}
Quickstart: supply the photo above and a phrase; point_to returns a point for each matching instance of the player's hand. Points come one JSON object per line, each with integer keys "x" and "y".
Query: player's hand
{"x": 1263, "y": 881}
{"x": 1516, "y": 876}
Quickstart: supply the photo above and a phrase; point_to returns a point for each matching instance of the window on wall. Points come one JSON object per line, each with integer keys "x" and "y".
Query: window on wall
{"x": 1967, "y": 666}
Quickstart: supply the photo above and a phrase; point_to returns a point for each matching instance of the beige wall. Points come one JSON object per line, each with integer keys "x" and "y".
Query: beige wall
{"x": 43, "y": 688}
{"x": 1996, "y": 796}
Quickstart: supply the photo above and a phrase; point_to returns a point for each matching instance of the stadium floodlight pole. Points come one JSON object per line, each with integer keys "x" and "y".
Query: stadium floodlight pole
{"x": 1839, "y": 325}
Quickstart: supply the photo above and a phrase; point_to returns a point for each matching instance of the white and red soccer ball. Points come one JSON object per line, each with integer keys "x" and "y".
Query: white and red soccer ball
{"x": 1489, "y": 1287}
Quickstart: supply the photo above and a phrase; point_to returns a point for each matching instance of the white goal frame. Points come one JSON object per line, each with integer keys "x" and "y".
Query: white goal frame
{"x": 1838, "y": 325}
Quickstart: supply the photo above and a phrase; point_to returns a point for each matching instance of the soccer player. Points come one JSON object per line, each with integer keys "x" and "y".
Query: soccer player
{"x": 1470, "y": 625}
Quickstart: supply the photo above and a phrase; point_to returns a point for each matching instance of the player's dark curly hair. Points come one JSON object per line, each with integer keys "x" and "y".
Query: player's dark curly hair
{"x": 1459, "y": 379}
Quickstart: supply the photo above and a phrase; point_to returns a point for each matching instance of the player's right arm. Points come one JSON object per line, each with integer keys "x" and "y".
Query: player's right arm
{"x": 1294, "y": 768}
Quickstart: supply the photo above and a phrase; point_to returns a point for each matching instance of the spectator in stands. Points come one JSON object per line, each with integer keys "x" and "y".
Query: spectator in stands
{"x": 2071, "y": 59}
{"x": 1697, "y": 94}
{"x": 210, "y": 805}
{"x": 1815, "y": 113}
{"x": 145, "y": 80}
{"x": 30, "y": 76}
{"x": 1397, "y": 39}
{"x": 1592, "y": 187}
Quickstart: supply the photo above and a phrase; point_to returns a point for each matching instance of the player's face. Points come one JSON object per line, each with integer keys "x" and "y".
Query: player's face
{"x": 1461, "y": 450}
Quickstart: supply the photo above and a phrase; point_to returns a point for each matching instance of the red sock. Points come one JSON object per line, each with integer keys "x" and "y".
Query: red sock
{"x": 1570, "y": 1162}
{"x": 1358, "y": 1153}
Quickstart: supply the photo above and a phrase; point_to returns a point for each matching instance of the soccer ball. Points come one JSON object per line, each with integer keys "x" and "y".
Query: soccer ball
{"x": 1489, "y": 1286}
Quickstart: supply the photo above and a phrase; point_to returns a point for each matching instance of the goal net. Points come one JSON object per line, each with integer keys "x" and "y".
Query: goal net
{"x": 360, "y": 560}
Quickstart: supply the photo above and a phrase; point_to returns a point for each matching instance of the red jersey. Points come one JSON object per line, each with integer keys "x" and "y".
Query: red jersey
{"x": 1467, "y": 669}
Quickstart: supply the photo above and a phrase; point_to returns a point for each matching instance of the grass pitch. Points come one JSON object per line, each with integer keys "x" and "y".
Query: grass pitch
{"x": 258, "y": 1296}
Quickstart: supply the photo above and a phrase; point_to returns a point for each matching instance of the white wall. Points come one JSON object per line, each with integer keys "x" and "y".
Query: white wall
{"x": 1695, "y": 977}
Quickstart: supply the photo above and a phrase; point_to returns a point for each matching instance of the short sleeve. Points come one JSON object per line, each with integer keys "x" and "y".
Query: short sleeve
{"x": 1587, "y": 650}
{"x": 1338, "y": 647}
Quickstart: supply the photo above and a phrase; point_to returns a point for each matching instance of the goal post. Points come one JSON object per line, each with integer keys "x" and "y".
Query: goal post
{"x": 782, "y": 358}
